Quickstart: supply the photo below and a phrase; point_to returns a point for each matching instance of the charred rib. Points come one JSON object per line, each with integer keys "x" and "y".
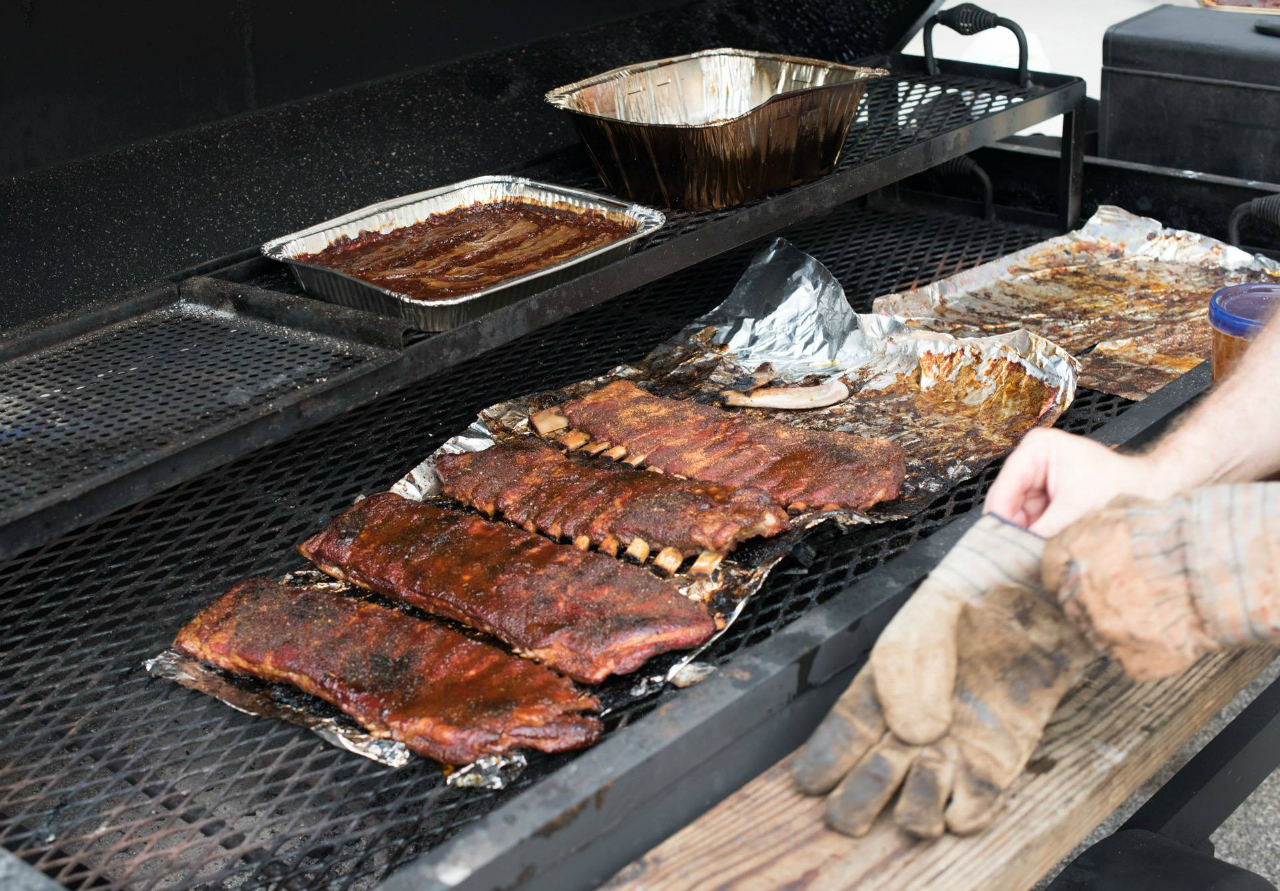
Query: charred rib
{"x": 440, "y": 693}
{"x": 579, "y": 612}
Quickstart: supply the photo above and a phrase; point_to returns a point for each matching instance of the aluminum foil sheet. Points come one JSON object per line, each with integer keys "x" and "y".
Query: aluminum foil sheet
{"x": 953, "y": 404}
{"x": 396, "y": 213}
{"x": 1126, "y": 295}
{"x": 714, "y": 128}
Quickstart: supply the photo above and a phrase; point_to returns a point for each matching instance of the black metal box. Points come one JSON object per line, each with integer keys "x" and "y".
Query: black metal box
{"x": 1193, "y": 89}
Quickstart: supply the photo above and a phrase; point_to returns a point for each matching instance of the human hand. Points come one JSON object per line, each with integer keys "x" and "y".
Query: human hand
{"x": 1054, "y": 478}
{"x": 954, "y": 698}
{"x": 1157, "y": 584}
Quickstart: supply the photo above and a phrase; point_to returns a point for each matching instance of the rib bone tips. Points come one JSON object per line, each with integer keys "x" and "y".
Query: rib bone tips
{"x": 609, "y": 546}
{"x": 706, "y": 563}
{"x": 615, "y": 453}
{"x": 668, "y": 560}
{"x": 634, "y": 460}
{"x": 639, "y": 549}
{"x": 595, "y": 448}
{"x": 574, "y": 439}
{"x": 582, "y": 542}
{"x": 549, "y": 420}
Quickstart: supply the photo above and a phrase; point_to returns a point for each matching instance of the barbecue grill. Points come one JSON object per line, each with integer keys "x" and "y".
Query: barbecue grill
{"x": 112, "y": 779}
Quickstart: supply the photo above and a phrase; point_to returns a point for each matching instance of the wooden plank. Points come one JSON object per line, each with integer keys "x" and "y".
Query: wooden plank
{"x": 1108, "y": 736}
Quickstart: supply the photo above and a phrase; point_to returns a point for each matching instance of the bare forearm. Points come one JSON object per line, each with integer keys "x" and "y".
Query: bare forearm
{"x": 1234, "y": 434}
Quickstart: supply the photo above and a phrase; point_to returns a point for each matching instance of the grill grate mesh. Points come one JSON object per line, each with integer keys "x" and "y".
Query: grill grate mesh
{"x": 101, "y": 400}
{"x": 111, "y": 779}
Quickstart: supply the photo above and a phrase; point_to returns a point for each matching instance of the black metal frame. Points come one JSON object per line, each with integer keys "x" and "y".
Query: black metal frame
{"x": 687, "y": 240}
{"x": 579, "y": 826}
{"x": 1198, "y": 798}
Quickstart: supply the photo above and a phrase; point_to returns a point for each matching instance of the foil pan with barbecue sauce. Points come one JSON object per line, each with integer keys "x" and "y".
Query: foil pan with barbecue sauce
{"x": 298, "y": 249}
{"x": 1126, "y": 295}
{"x": 714, "y": 128}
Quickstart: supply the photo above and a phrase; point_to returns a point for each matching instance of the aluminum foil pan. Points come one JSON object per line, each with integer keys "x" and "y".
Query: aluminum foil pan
{"x": 714, "y": 128}
{"x": 1123, "y": 293}
{"x": 441, "y": 315}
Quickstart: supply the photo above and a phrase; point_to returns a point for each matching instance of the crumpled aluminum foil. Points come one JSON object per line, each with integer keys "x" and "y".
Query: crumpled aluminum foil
{"x": 1126, "y": 295}
{"x": 953, "y": 404}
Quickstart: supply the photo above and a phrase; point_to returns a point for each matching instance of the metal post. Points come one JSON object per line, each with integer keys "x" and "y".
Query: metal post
{"x": 1071, "y": 168}
{"x": 1193, "y": 804}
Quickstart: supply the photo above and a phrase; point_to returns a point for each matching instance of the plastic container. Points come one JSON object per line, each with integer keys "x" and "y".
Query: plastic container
{"x": 1237, "y": 313}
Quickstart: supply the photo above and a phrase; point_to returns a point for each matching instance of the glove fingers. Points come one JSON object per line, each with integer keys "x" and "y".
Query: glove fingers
{"x": 914, "y": 662}
{"x": 975, "y": 801}
{"x": 925, "y": 792}
{"x": 853, "y": 726}
{"x": 854, "y": 805}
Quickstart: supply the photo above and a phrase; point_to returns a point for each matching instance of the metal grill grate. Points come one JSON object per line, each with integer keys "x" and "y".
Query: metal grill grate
{"x": 114, "y": 395}
{"x": 110, "y": 779}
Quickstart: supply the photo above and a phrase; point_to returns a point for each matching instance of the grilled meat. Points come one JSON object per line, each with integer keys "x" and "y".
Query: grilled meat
{"x": 535, "y": 485}
{"x": 796, "y": 467}
{"x": 584, "y": 613}
{"x": 442, "y": 694}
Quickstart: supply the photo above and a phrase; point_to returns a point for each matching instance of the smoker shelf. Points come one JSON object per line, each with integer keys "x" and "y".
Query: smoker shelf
{"x": 110, "y": 779}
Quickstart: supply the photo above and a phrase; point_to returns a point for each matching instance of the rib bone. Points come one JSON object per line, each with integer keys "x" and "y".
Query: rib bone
{"x": 615, "y": 453}
{"x": 596, "y": 447}
{"x": 609, "y": 546}
{"x": 820, "y": 396}
{"x": 582, "y": 542}
{"x": 668, "y": 560}
{"x": 574, "y": 439}
{"x": 634, "y": 460}
{"x": 549, "y": 420}
{"x": 706, "y": 563}
{"x": 639, "y": 548}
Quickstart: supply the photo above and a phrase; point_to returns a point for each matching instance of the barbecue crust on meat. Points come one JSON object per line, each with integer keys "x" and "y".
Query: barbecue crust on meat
{"x": 796, "y": 467}
{"x": 535, "y": 485}
{"x": 581, "y": 612}
{"x": 440, "y": 693}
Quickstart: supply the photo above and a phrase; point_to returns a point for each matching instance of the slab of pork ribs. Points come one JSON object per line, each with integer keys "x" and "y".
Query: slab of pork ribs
{"x": 442, "y": 694}
{"x": 581, "y": 612}
{"x": 803, "y": 469}
{"x": 537, "y": 486}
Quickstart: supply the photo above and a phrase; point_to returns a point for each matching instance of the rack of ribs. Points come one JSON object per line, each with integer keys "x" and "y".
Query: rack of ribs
{"x": 581, "y": 612}
{"x": 803, "y": 469}
{"x": 440, "y": 693}
{"x": 537, "y": 486}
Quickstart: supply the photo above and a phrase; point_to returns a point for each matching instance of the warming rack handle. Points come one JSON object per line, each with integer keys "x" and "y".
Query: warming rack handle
{"x": 968, "y": 19}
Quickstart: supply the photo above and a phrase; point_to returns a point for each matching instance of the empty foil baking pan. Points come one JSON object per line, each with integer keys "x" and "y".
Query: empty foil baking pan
{"x": 442, "y": 314}
{"x": 714, "y": 128}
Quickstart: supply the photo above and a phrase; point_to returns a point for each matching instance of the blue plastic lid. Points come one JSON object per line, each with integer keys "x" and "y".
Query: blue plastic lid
{"x": 1242, "y": 310}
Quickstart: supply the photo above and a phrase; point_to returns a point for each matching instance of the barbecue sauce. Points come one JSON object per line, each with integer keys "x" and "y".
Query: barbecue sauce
{"x": 470, "y": 248}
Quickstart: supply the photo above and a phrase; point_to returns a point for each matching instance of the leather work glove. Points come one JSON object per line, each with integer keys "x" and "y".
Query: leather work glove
{"x": 1156, "y": 585}
{"x": 955, "y": 695}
